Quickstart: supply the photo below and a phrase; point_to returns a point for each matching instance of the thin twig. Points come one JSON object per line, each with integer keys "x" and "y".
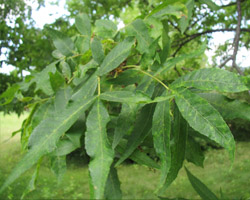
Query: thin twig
{"x": 225, "y": 62}
{"x": 237, "y": 38}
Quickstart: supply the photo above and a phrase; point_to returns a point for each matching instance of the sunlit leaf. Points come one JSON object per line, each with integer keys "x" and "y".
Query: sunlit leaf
{"x": 83, "y": 24}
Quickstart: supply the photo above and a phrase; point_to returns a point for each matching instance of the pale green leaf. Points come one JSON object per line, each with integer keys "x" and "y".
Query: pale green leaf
{"x": 184, "y": 21}
{"x": 63, "y": 43}
{"x": 210, "y": 4}
{"x": 116, "y": 56}
{"x": 125, "y": 97}
{"x": 83, "y": 24}
{"x": 178, "y": 148}
{"x": 113, "y": 190}
{"x": 105, "y": 28}
{"x": 97, "y": 50}
{"x": 200, "y": 187}
{"x": 161, "y": 128}
{"x": 58, "y": 166}
{"x": 82, "y": 44}
{"x": 139, "y": 29}
{"x": 211, "y": 79}
{"x": 142, "y": 128}
{"x": 98, "y": 148}
{"x": 45, "y": 136}
{"x": 228, "y": 108}
{"x": 66, "y": 71}
{"x": 203, "y": 118}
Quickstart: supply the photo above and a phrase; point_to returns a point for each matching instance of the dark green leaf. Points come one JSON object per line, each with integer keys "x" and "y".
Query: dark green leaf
{"x": 116, "y": 56}
{"x": 166, "y": 43}
{"x": 83, "y": 24}
{"x": 203, "y": 118}
{"x": 178, "y": 148}
{"x": 211, "y": 79}
{"x": 200, "y": 187}
{"x": 113, "y": 190}
{"x": 170, "y": 63}
{"x": 161, "y": 128}
{"x": 63, "y": 43}
{"x": 9, "y": 94}
{"x": 125, "y": 122}
{"x": 139, "y": 29}
{"x": 97, "y": 50}
{"x": 98, "y": 148}
{"x": 194, "y": 153}
{"x": 228, "y": 108}
{"x": 141, "y": 129}
{"x": 125, "y": 97}
{"x": 56, "y": 80}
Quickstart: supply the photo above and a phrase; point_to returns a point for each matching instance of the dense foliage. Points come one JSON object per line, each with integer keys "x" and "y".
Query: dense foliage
{"x": 121, "y": 94}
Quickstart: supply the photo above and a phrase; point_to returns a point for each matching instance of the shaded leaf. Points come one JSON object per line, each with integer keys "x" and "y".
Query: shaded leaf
{"x": 210, "y": 4}
{"x": 139, "y": 29}
{"x": 211, "y": 79}
{"x": 62, "y": 42}
{"x": 228, "y": 108}
{"x": 178, "y": 148}
{"x": 116, "y": 56}
{"x": 66, "y": 71}
{"x": 161, "y": 128}
{"x": 125, "y": 122}
{"x": 58, "y": 166}
{"x": 97, "y": 50}
{"x": 125, "y": 97}
{"x": 9, "y": 94}
{"x": 194, "y": 153}
{"x": 166, "y": 43}
{"x": 141, "y": 129}
{"x": 200, "y": 187}
{"x": 113, "y": 190}
{"x": 98, "y": 148}
{"x": 184, "y": 21}
{"x": 83, "y": 24}
{"x": 203, "y": 118}
{"x": 82, "y": 44}
{"x": 170, "y": 63}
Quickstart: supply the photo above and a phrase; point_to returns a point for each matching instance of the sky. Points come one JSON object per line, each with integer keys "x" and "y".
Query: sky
{"x": 49, "y": 13}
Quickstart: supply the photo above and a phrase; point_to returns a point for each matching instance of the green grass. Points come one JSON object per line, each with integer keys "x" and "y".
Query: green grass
{"x": 137, "y": 182}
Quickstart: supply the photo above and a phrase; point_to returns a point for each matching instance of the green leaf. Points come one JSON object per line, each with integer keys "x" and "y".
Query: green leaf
{"x": 63, "y": 43}
{"x": 98, "y": 148}
{"x": 82, "y": 44}
{"x": 166, "y": 42}
{"x": 105, "y": 28}
{"x": 57, "y": 54}
{"x": 228, "y": 108}
{"x": 194, "y": 153}
{"x": 170, "y": 63}
{"x": 9, "y": 94}
{"x": 97, "y": 50}
{"x": 200, "y": 187}
{"x": 56, "y": 80}
{"x": 66, "y": 71}
{"x": 83, "y": 24}
{"x": 167, "y": 8}
{"x": 32, "y": 184}
{"x": 184, "y": 21}
{"x": 143, "y": 124}
{"x": 58, "y": 166}
{"x": 203, "y": 118}
{"x": 178, "y": 148}
{"x": 138, "y": 156}
{"x": 125, "y": 97}
{"x": 113, "y": 190}
{"x": 45, "y": 136}
{"x": 210, "y": 4}
{"x": 116, "y": 56}
{"x": 211, "y": 79}
{"x": 161, "y": 128}
{"x": 125, "y": 123}
{"x": 139, "y": 29}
